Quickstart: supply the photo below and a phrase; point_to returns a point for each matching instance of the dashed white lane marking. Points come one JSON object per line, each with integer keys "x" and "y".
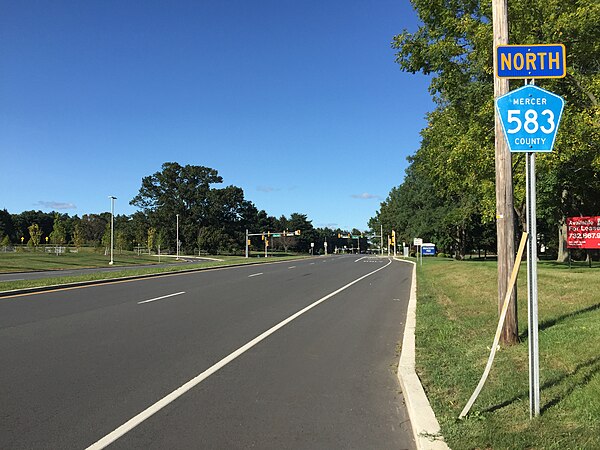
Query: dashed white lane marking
{"x": 151, "y": 410}
{"x": 292, "y": 267}
{"x": 160, "y": 298}
{"x": 255, "y": 274}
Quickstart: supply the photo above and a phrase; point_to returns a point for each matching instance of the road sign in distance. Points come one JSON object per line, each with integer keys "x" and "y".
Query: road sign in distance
{"x": 531, "y": 61}
{"x": 428, "y": 249}
{"x": 418, "y": 241}
{"x": 530, "y": 117}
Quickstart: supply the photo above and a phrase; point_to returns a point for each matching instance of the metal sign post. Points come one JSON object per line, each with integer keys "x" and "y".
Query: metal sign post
{"x": 530, "y": 117}
{"x": 532, "y": 288}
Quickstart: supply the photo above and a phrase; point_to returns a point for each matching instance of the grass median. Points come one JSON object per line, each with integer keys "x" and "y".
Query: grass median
{"x": 14, "y": 262}
{"x": 457, "y": 315}
{"x": 84, "y": 258}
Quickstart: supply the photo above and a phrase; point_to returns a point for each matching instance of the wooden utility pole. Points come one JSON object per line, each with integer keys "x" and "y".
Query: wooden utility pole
{"x": 505, "y": 225}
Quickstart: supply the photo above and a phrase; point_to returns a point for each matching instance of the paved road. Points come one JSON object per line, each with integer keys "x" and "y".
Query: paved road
{"x": 78, "y": 364}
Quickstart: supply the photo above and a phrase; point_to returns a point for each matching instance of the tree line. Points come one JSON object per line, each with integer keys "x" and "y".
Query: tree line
{"x": 211, "y": 219}
{"x": 448, "y": 192}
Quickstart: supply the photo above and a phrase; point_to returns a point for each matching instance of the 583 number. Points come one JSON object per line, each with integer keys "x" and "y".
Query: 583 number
{"x": 531, "y": 124}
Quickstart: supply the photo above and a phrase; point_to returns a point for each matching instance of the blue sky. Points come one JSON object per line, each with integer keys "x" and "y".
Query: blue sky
{"x": 299, "y": 103}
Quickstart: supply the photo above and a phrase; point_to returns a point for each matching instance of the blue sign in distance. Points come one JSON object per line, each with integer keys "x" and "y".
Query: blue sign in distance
{"x": 428, "y": 250}
{"x": 530, "y": 117}
{"x": 531, "y": 61}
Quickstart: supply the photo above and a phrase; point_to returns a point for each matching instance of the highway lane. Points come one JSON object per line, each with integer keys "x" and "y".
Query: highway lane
{"x": 79, "y": 363}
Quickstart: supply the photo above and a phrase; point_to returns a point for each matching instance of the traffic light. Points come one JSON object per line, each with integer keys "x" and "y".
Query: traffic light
{"x": 262, "y": 237}
{"x": 339, "y": 235}
{"x": 297, "y": 232}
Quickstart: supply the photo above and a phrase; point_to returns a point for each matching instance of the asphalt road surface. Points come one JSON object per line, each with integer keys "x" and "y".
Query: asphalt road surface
{"x": 298, "y": 355}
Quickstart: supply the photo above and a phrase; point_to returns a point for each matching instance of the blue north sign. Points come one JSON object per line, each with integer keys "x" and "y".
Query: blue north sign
{"x": 531, "y": 61}
{"x": 530, "y": 117}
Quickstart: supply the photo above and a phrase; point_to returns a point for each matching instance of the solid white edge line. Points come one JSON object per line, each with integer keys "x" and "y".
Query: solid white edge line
{"x": 360, "y": 259}
{"x": 148, "y": 412}
{"x": 160, "y": 298}
{"x": 255, "y": 274}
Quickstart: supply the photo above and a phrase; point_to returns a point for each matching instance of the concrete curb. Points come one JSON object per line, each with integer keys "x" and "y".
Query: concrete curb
{"x": 426, "y": 429}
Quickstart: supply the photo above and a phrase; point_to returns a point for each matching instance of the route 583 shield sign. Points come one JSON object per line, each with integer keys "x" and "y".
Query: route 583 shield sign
{"x": 530, "y": 116}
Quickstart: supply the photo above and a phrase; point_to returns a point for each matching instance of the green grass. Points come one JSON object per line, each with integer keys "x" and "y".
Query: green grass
{"x": 84, "y": 258}
{"x": 19, "y": 262}
{"x": 456, "y": 321}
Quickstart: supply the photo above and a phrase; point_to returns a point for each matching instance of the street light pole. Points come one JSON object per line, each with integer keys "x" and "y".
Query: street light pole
{"x": 112, "y": 227}
{"x": 177, "y": 243}
{"x": 246, "y": 242}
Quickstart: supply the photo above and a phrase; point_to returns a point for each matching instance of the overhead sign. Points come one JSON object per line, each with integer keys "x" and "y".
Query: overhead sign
{"x": 531, "y": 61}
{"x": 530, "y": 117}
{"x": 583, "y": 232}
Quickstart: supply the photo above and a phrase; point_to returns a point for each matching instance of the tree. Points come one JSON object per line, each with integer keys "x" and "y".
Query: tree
{"x": 138, "y": 228}
{"x": 186, "y": 191}
{"x": 121, "y": 241}
{"x": 212, "y": 240}
{"x": 160, "y": 240}
{"x": 35, "y": 234}
{"x": 58, "y": 236}
{"x": 23, "y": 220}
{"x": 298, "y": 221}
{"x": 7, "y": 227}
{"x": 176, "y": 190}
{"x": 78, "y": 238}
{"x": 151, "y": 238}
{"x": 93, "y": 227}
{"x": 106, "y": 239}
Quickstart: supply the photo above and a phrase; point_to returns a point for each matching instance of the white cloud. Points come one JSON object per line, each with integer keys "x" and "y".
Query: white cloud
{"x": 327, "y": 225}
{"x": 266, "y": 189}
{"x": 365, "y": 196}
{"x": 56, "y": 205}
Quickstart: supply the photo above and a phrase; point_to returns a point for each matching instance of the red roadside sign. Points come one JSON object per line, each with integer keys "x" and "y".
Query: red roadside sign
{"x": 583, "y": 232}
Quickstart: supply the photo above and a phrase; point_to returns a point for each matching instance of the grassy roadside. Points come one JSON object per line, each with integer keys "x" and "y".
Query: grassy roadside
{"x": 456, "y": 321}
{"x": 85, "y": 258}
{"x": 126, "y": 272}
